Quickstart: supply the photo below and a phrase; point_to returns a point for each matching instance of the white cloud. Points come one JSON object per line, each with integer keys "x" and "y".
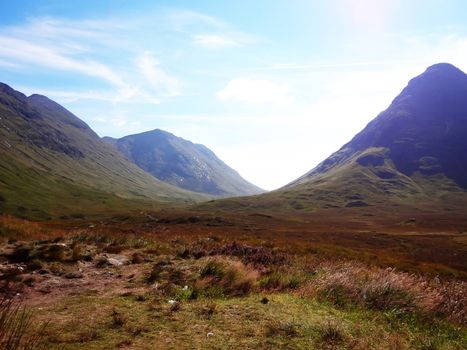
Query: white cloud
{"x": 180, "y": 20}
{"x": 213, "y": 41}
{"x": 9, "y": 64}
{"x": 24, "y": 51}
{"x": 254, "y": 91}
{"x": 15, "y": 51}
{"x": 158, "y": 79}
{"x": 79, "y": 48}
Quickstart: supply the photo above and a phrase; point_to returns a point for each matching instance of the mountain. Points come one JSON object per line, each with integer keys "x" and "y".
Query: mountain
{"x": 51, "y": 162}
{"x": 412, "y": 154}
{"x": 182, "y": 163}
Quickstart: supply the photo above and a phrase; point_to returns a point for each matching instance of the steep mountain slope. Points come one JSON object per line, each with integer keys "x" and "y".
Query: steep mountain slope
{"x": 182, "y": 163}
{"x": 413, "y": 154}
{"x": 52, "y": 162}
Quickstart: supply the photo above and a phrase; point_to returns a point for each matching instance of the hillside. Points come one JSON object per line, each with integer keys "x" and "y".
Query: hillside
{"x": 53, "y": 163}
{"x": 412, "y": 155}
{"x": 182, "y": 163}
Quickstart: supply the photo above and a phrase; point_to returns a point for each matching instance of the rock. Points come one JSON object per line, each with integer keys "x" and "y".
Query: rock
{"x": 45, "y": 290}
{"x": 20, "y": 253}
{"x": 101, "y": 261}
{"x": 34, "y": 265}
{"x": 114, "y": 260}
{"x": 11, "y": 272}
{"x": 54, "y": 252}
{"x": 73, "y": 275}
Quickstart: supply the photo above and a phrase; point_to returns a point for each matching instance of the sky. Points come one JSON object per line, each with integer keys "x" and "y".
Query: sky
{"x": 272, "y": 87}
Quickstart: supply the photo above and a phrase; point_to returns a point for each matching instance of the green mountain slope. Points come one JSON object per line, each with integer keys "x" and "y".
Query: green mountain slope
{"x": 51, "y": 162}
{"x": 182, "y": 163}
{"x": 414, "y": 154}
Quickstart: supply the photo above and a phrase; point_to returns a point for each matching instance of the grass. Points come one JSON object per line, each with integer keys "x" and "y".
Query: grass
{"x": 17, "y": 329}
{"x": 288, "y": 321}
{"x": 57, "y": 166}
{"x": 179, "y": 291}
{"x": 221, "y": 277}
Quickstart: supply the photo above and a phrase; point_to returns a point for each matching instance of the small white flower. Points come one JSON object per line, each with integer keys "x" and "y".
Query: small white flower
{"x": 185, "y": 288}
{"x": 171, "y": 301}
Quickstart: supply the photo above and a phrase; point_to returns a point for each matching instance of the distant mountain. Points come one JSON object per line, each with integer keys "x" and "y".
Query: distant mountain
{"x": 51, "y": 162}
{"x": 412, "y": 154}
{"x": 182, "y": 163}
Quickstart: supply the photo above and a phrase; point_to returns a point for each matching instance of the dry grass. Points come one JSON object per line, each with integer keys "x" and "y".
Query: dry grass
{"x": 16, "y": 327}
{"x": 12, "y": 228}
{"x": 453, "y": 302}
{"x": 222, "y": 276}
{"x": 249, "y": 294}
{"x": 350, "y": 283}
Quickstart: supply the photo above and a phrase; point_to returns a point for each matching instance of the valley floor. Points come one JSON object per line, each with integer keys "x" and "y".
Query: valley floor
{"x": 191, "y": 282}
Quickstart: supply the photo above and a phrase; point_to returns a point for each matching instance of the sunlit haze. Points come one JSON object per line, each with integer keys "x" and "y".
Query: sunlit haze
{"x": 272, "y": 87}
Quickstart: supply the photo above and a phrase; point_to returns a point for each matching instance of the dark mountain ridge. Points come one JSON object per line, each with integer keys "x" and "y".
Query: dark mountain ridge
{"x": 424, "y": 130}
{"x": 412, "y": 155}
{"x": 182, "y": 163}
{"x": 52, "y": 162}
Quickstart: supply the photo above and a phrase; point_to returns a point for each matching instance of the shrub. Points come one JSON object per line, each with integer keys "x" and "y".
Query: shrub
{"x": 282, "y": 329}
{"x": 158, "y": 268}
{"x": 185, "y": 293}
{"x": 257, "y": 256}
{"x": 114, "y": 248}
{"x": 214, "y": 268}
{"x": 453, "y": 300}
{"x": 137, "y": 258}
{"x": 331, "y": 332}
{"x": 279, "y": 281}
{"x": 208, "y": 310}
{"x": 374, "y": 288}
{"x": 225, "y": 277}
{"x": 118, "y": 319}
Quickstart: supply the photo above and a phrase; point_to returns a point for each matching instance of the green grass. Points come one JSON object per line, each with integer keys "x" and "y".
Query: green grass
{"x": 287, "y": 322}
{"x": 232, "y": 299}
{"x": 51, "y": 163}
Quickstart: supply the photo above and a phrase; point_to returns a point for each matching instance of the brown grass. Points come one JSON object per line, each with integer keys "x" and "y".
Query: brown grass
{"x": 346, "y": 283}
{"x": 12, "y": 228}
{"x": 221, "y": 276}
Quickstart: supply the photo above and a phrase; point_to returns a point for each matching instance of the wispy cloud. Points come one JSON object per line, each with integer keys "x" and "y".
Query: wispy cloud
{"x": 76, "y": 47}
{"x": 183, "y": 20}
{"x": 160, "y": 81}
{"x": 254, "y": 91}
{"x": 19, "y": 50}
{"x": 223, "y": 40}
{"x": 127, "y": 63}
{"x": 213, "y": 41}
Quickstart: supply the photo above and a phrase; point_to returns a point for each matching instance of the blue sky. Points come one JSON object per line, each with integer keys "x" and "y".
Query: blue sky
{"x": 272, "y": 87}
